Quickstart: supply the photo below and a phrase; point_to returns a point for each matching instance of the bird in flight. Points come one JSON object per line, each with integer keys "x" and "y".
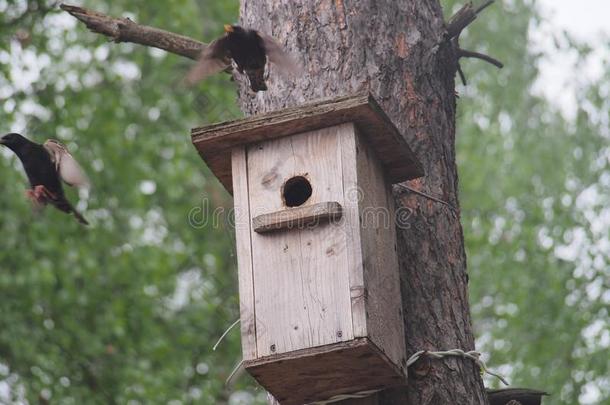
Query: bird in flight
{"x": 46, "y": 165}
{"x": 249, "y": 49}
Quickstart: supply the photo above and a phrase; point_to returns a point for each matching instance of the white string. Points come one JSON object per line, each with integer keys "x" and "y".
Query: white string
{"x": 237, "y": 368}
{"x": 240, "y": 364}
{"x": 473, "y": 355}
{"x": 225, "y": 334}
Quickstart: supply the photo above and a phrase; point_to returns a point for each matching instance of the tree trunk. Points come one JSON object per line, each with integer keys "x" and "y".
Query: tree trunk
{"x": 390, "y": 48}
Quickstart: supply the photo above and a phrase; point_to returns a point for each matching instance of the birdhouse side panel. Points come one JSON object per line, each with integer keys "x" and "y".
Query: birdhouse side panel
{"x": 244, "y": 252}
{"x": 301, "y": 283}
{"x": 385, "y": 325}
{"x": 352, "y": 193}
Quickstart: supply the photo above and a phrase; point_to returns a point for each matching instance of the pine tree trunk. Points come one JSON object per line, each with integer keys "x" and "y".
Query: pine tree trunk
{"x": 389, "y": 47}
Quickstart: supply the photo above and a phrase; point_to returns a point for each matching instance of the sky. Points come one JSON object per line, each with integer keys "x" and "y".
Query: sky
{"x": 586, "y": 20}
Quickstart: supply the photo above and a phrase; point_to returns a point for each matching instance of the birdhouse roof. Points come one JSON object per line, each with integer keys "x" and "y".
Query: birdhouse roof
{"x": 215, "y": 142}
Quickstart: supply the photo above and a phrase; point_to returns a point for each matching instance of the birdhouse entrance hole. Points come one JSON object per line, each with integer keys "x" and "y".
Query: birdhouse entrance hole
{"x": 296, "y": 191}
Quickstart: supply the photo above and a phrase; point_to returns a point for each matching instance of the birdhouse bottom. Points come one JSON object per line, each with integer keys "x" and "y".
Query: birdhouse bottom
{"x": 316, "y": 374}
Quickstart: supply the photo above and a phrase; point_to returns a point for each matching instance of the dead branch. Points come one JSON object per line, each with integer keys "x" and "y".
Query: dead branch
{"x": 483, "y": 6}
{"x": 462, "y": 75}
{"x": 460, "y": 20}
{"x": 462, "y": 53}
{"x": 456, "y": 24}
{"x": 463, "y": 18}
{"x": 125, "y": 30}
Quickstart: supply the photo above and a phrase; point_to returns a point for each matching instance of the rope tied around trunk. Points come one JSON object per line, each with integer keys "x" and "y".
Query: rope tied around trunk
{"x": 472, "y": 355}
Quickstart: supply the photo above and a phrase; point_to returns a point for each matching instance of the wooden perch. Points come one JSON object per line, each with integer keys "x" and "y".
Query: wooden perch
{"x": 307, "y": 216}
{"x": 125, "y": 30}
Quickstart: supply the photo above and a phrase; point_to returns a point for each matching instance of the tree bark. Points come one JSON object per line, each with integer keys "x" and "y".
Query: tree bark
{"x": 398, "y": 50}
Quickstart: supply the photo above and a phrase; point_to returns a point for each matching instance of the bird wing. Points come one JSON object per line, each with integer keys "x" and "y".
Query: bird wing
{"x": 68, "y": 168}
{"x": 278, "y": 56}
{"x": 213, "y": 59}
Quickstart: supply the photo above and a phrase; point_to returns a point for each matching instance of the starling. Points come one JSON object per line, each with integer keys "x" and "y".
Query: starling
{"x": 513, "y": 396}
{"x": 45, "y": 165}
{"x": 249, "y": 49}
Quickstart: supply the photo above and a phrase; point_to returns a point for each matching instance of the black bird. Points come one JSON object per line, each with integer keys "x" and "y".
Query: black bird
{"x": 515, "y": 396}
{"x": 249, "y": 49}
{"x": 45, "y": 165}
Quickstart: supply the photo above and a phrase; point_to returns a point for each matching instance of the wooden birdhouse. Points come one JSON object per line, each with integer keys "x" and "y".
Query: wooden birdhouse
{"x": 320, "y": 303}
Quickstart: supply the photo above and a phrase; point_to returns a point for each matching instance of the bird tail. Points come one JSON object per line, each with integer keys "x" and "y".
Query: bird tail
{"x": 79, "y": 217}
{"x": 257, "y": 79}
{"x": 64, "y": 205}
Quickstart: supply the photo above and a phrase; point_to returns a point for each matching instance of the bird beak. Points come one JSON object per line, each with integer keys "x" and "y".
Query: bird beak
{"x": 228, "y": 28}
{"x": 2, "y": 141}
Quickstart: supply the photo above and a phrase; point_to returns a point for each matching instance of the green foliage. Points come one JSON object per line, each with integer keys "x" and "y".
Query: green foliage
{"x": 534, "y": 196}
{"x": 127, "y": 311}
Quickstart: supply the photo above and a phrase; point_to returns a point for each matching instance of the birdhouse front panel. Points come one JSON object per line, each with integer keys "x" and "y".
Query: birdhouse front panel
{"x": 300, "y": 276}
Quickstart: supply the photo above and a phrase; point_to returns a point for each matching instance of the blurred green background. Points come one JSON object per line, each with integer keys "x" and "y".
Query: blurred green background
{"x": 128, "y": 310}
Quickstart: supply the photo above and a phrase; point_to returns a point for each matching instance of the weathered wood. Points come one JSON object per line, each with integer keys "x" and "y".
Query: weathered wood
{"x": 319, "y": 286}
{"x": 214, "y": 142}
{"x": 391, "y": 48}
{"x": 298, "y": 217}
{"x": 125, "y": 30}
{"x": 379, "y": 258}
{"x": 353, "y": 195}
{"x": 244, "y": 254}
{"x": 320, "y": 373}
{"x": 300, "y": 283}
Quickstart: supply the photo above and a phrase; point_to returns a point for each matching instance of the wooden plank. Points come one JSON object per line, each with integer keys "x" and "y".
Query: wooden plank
{"x": 320, "y": 373}
{"x": 352, "y": 193}
{"x": 385, "y": 326}
{"x": 298, "y": 217}
{"x": 300, "y": 277}
{"x": 214, "y": 142}
{"x": 244, "y": 253}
